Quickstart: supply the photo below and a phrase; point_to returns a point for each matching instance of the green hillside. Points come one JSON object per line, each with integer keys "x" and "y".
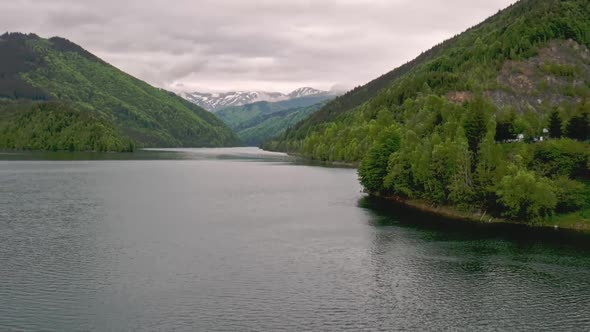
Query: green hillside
{"x": 266, "y": 126}
{"x": 459, "y": 125}
{"x": 37, "y": 69}
{"x": 472, "y": 62}
{"x": 54, "y": 126}
{"x": 257, "y": 122}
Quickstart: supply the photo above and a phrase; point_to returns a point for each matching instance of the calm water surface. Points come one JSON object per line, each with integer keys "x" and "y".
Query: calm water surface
{"x": 243, "y": 240}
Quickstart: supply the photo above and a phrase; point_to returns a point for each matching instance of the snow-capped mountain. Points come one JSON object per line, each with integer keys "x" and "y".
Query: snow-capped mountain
{"x": 216, "y": 101}
{"x": 306, "y": 92}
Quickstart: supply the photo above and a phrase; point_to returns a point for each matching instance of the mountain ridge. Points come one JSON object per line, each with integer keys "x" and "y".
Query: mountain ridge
{"x": 493, "y": 123}
{"x": 432, "y": 71}
{"x": 259, "y": 121}
{"x": 56, "y": 69}
{"x": 215, "y": 102}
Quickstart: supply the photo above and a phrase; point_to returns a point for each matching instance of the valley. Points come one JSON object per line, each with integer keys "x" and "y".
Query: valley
{"x": 207, "y": 165}
{"x": 493, "y": 122}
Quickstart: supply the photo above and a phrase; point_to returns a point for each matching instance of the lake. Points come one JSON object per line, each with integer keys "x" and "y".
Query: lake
{"x": 246, "y": 240}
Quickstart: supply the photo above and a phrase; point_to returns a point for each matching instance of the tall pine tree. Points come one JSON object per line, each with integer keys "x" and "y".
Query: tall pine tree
{"x": 555, "y": 123}
{"x": 579, "y": 127}
{"x": 475, "y": 127}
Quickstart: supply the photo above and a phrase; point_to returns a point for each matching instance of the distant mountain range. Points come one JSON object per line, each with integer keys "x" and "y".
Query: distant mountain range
{"x": 217, "y": 101}
{"x": 257, "y": 122}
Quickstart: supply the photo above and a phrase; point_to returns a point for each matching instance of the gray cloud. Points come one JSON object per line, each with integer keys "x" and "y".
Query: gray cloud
{"x": 216, "y": 45}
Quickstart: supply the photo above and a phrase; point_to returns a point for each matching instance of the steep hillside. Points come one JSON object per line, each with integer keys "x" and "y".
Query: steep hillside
{"x": 53, "y": 126}
{"x": 37, "y": 69}
{"x": 486, "y": 59}
{"x": 495, "y": 121}
{"x": 240, "y": 117}
{"x": 268, "y": 125}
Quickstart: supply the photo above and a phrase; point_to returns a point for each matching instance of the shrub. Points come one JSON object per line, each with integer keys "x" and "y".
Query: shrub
{"x": 564, "y": 157}
{"x": 526, "y": 196}
{"x": 571, "y": 195}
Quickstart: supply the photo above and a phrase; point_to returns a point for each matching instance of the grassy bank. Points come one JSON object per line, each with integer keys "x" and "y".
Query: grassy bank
{"x": 578, "y": 221}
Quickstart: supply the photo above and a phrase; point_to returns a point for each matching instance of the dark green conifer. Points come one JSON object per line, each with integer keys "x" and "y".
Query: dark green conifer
{"x": 555, "y": 124}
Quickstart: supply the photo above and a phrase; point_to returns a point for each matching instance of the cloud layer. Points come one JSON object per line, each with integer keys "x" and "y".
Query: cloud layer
{"x": 221, "y": 45}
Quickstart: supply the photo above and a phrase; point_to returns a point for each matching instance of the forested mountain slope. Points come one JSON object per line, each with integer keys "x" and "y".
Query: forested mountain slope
{"x": 467, "y": 123}
{"x": 477, "y": 61}
{"x": 266, "y": 126}
{"x": 53, "y": 126}
{"x": 258, "y": 122}
{"x": 55, "y": 69}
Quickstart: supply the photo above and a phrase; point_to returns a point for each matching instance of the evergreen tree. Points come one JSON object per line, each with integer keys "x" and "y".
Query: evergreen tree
{"x": 475, "y": 128}
{"x": 579, "y": 127}
{"x": 555, "y": 123}
{"x": 504, "y": 131}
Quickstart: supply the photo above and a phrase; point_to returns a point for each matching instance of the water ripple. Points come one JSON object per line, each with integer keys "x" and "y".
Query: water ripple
{"x": 203, "y": 245}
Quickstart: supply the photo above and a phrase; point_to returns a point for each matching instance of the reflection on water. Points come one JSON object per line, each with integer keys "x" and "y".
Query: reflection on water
{"x": 236, "y": 239}
{"x": 249, "y": 153}
{"x": 469, "y": 275}
{"x": 435, "y": 228}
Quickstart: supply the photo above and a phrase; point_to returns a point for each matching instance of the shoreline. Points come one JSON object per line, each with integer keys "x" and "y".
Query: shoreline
{"x": 453, "y": 213}
{"x": 310, "y": 161}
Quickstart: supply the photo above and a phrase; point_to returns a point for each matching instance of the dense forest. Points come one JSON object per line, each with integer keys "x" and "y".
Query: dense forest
{"x": 36, "y": 69}
{"x": 257, "y": 122}
{"x": 494, "y": 121}
{"x": 54, "y": 126}
{"x": 267, "y": 126}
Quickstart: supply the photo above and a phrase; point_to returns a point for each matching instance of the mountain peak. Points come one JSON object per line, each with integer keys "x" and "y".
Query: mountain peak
{"x": 305, "y": 91}
{"x": 218, "y": 101}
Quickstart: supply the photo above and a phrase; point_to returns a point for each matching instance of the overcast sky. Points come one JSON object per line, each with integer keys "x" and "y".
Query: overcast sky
{"x": 273, "y": 45}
